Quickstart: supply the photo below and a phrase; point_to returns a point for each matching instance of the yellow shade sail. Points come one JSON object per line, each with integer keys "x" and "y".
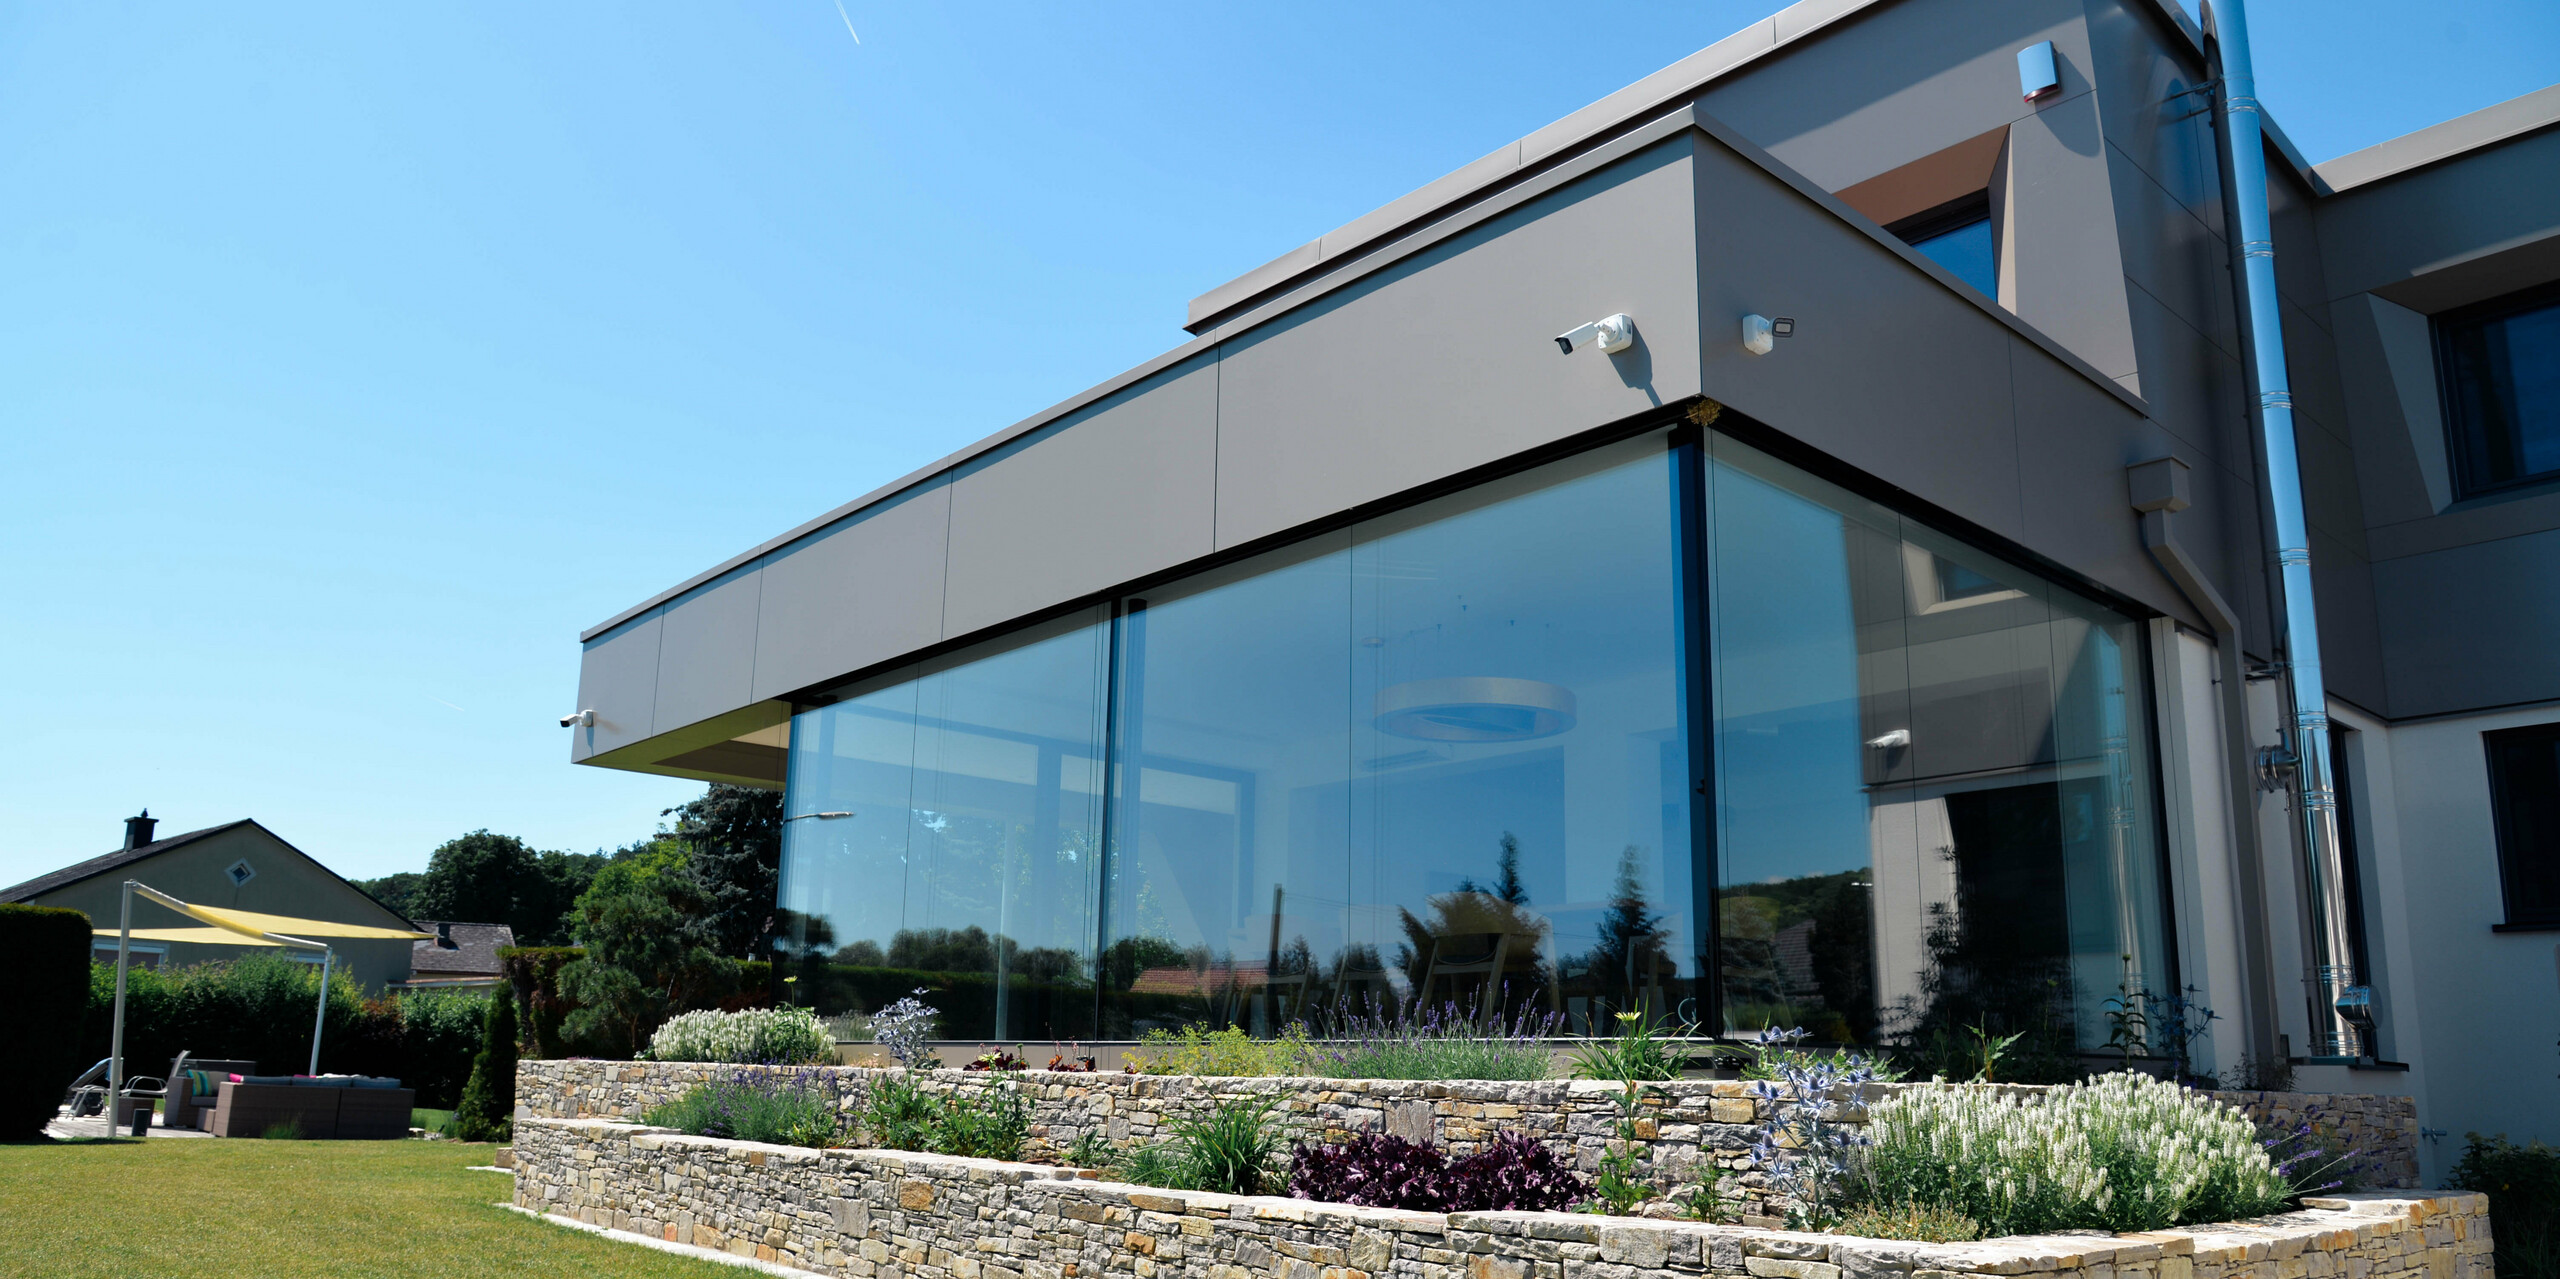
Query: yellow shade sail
{"x": 199, "y": 936}
{"x": 253, "y": 923}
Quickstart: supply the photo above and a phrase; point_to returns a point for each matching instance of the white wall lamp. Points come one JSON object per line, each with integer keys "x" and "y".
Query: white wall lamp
{"x": 578, "y": 719}
{"x": 1614, "y": 334}
{"x": 1760, "y": 334}
{"x": 2039, "y": 73}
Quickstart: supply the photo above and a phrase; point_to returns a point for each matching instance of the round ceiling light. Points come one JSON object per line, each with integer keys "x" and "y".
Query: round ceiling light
{"x": 1475, "y": 708}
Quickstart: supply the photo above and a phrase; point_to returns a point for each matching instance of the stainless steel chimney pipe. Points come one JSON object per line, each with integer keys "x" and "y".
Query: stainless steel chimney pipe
{"x": 2341, "y": 1005}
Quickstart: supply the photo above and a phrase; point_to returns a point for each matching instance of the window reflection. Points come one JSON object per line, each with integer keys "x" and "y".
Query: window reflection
{"x": 969, "y": 862}
{"x": 1435, "y": 757}
{"x": 1932, "y": 807}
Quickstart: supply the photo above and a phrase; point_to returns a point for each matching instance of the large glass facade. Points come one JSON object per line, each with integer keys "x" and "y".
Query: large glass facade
{"x": 1933, "y": 779}
{"x": 1448, "y": 754}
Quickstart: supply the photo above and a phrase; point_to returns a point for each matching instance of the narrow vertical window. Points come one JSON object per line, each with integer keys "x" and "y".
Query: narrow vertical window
{"x": 2524, "y": 800}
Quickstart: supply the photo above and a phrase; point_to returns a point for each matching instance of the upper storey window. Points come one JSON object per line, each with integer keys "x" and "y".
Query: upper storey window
{"x": 2500, "y": 361}
{"x": 2524, "y": 798}
{"x": 1958, "y": 236}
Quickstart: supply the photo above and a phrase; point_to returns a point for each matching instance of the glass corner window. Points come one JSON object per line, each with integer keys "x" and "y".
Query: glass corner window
{"x": 2499, "y": 363}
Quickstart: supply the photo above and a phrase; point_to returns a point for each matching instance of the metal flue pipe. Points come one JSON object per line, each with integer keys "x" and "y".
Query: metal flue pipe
{"x": 2341, "y": 1005}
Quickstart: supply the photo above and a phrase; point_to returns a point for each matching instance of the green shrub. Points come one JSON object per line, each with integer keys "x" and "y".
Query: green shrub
{"x": 46, "y": 954}
{"x": 757, "y": 1036}
{"x": 2122, "y": 1152}
{"x": 2523, "y": 1185}
{"x": 488, "y": 1108}
{"x": 1640, "y": 1053}
{"x": 1231, "y": 1149}
{"x": 991, "y": 1126}
{"x": 754, "y": 1105}
{"x": 533, "y": 972}
{"x": 896, "y": 1114}
{"x": 1160, "y": 1165}
{"x": 1198, "y": 1050}
{"x": 440, "y": 1036}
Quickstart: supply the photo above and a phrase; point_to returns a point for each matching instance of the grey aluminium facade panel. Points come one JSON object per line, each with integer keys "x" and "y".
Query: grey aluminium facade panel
{"x": 1445, "y": 359}
{"x": 1112, "y": 492}
{"x": 2442, "y": 611}
{"x": 860, "y": 591}
{"x": 618, "y": 680}
{"x": 707, "y": 650}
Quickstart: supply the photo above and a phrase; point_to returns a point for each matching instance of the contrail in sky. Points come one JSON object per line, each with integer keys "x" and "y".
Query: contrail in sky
{"x": 848, "y": 22}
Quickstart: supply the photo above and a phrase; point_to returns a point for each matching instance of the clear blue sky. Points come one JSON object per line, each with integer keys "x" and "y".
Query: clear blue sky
{"x": 354, "y": 357}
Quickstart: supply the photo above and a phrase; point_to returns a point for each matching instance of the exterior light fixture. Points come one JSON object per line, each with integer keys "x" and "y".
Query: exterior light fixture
{"x": 578, "y": 719}
{"x": 1760, "y": 334}
{"x": 2038, "y": 72}
{"x": 1893, "y": 739}
{"x": 1475, "y": 708}
{"x": 1614, "y": 334}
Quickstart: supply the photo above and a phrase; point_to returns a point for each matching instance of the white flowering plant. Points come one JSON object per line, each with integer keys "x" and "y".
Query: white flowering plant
{"x": 2121, "y": 1152}
{"x": 751, "y": 1036}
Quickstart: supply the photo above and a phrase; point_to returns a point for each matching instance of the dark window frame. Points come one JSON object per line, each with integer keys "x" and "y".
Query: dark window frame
{"x": 2503, "y": 819}
{"x": 2460, "y": 438}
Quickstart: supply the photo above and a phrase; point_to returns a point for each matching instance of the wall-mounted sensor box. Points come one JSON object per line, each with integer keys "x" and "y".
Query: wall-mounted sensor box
{"x": 2038, "y": 73}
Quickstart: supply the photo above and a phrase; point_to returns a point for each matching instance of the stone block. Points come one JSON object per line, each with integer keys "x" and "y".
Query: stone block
{"x": 1643, "y": 1247}
{"x": 915, "y": 1195}
{"x": 1784, "y": 1268}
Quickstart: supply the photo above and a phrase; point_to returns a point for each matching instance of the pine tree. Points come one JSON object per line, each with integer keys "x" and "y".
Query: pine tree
{"x": 488, "y": 1108}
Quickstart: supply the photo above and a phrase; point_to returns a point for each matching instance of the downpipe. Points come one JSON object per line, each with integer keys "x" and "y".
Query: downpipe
{"x": 2341, "y": 1005}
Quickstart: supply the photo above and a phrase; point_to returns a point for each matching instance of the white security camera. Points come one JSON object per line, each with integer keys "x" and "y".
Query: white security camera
{"x": 578, "y": 719}
{"x": 1613, "y": 335}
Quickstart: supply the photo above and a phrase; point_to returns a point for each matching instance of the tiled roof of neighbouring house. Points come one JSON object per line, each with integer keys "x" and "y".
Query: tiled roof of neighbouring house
{"x": 459, "y": 950}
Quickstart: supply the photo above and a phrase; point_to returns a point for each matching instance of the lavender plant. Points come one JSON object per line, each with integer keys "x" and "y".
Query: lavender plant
{"x": 1806, "y": 1146}
{"x": 1446, "y": 1041}
{"x": 755, "y": 1105}
{"x": 902, "y": 1028}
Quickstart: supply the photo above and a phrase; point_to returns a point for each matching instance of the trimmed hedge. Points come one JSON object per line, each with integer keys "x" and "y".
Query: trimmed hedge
{"x": 259, "y": 1008}
{"x": 45, "y": 952}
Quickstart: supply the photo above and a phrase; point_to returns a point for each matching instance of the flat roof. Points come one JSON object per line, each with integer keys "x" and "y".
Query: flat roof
{"x": 2488, "y": 126}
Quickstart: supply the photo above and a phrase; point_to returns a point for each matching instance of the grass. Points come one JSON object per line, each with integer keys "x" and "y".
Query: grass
{"x": 244, "y": 1209}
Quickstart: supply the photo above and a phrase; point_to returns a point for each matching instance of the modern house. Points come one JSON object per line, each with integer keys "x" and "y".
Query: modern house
{"x": 1937, "y": 579}
{"x": 236, "y": 866}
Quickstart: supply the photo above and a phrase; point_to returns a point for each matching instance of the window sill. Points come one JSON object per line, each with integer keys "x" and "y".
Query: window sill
{"x": 2550, "y": 926}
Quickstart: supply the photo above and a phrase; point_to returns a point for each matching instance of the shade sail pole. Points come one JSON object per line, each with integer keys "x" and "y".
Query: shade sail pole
{"x": 319, "y": 1019}
{"x": 115, "y": 1044}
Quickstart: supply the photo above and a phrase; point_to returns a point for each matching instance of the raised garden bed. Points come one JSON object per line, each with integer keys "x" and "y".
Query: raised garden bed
{"x": 1689, "y": 1121}
{"x": 867, "y": 1213}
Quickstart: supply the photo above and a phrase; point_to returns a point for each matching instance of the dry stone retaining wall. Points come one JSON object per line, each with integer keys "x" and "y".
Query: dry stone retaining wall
{"x": 869, "y": 1214}
{"x": 1690, "y": 1120}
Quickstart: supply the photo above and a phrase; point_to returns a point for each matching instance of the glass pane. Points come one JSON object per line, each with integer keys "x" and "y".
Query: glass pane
{"x": 1932, "y": 783}
{"x": 966, "y": 859}
{"x": 1967, "y": 252}
{"x": 2524, "y": 788}
{"x": 1438, "y": 756}
{"x": 1227, "y": 898}
{"x": 2506, "y": 380}
{"x": 1520, "y": 818}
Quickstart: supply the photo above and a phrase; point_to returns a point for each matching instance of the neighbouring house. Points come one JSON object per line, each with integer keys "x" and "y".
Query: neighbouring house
{"x": 460, "y": 955}
{"x": 240, "y": 865}
{"x": 1822, "y": 536}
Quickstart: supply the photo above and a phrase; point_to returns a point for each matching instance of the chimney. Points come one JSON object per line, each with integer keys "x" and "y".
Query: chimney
{"x": 137, "y": 830}
{"x": 444, "y": 937}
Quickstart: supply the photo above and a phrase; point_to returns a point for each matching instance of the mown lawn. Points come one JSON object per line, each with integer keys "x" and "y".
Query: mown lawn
{"x": 241, "y": 1209}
